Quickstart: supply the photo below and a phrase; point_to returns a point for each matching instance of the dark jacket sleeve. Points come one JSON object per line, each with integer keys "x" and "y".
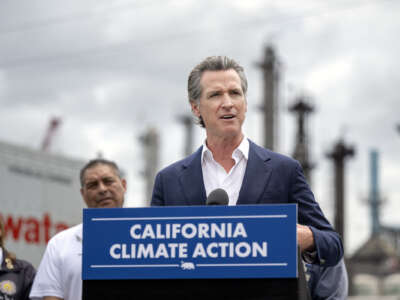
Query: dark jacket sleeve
{"x": 29, "y": 273}
{"x": 328, "y": 244}
{"x": 157, "y": 197}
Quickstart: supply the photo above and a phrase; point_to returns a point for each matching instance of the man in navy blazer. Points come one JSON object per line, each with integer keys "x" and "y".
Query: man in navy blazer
{"x": 251, "y": 174}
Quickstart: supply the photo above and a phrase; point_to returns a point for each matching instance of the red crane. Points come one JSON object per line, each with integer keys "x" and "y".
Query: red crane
{"x": 53, "y": 125}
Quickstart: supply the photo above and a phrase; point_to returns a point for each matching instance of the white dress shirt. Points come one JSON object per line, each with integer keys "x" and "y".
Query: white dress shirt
{"x": 60, "y": 271}
{"x": 215, "y": 176}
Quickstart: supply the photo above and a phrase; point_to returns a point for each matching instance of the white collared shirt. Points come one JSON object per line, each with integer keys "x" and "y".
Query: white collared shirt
{"x": 1, "y": 255}
{"x": 60, "y": 271}
{"x": 215, "y": 176}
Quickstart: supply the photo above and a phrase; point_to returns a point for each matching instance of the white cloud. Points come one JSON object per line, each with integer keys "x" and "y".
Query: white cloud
{"x": 330, "y": 75}
{"x": 3, "y": 83}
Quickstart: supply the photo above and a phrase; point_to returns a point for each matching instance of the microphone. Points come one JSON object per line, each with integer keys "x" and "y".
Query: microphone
{"x": 218, "y": 197}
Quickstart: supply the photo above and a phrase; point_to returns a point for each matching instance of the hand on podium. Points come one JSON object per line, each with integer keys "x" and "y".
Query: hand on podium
{"x": 305, "y": 238}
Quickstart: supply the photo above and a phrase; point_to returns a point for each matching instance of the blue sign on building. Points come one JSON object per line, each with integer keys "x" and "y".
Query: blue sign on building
{"x": 255, "y": 241}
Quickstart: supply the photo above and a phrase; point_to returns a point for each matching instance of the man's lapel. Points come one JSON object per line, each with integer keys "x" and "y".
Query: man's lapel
{"x": 256, "y": 176}
{"x": 191, "y": 180}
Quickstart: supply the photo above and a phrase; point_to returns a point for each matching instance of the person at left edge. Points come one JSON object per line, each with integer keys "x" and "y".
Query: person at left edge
{"x": 60, "y": 271}
{"x": 16, "y": 275}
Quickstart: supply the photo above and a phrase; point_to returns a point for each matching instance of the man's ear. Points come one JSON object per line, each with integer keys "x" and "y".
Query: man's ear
{"x": 195, "y": 108}
{"x": 83, "y": 197}
{"x": 123, "y": 181}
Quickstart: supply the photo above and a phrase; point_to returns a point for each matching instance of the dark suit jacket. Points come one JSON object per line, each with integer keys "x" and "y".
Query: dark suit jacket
{"x": 269, "y": 178}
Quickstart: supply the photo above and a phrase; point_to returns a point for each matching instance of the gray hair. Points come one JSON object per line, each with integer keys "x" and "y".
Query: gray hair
{"x": 212, "y": 63}
{"x": 98, "y": 161}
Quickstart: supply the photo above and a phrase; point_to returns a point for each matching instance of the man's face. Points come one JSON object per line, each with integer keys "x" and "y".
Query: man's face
{"x": 222, "y": 103}
{"x": 102, "y": 187}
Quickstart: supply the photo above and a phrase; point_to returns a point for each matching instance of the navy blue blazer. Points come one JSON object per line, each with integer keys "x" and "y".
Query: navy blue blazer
{"x": 269, "y": 178}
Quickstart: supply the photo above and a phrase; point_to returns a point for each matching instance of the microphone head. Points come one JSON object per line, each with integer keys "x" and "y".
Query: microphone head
{"x": 218, "y": 197}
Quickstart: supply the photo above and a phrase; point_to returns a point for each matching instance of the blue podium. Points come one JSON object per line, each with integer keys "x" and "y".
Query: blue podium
{"x": 192, "y": 252}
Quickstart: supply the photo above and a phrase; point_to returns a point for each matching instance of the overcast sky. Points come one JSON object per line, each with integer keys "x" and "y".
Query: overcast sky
{"x": 113, "y": 69}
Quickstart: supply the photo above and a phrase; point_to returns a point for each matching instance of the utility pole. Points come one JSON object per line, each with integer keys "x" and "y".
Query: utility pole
{"x": 187, "y": 121}
{"x": 150, "y": 143}
{"x": 270, "y": 69}
{"x": 339, "y": 154}
{"x": 301, "y": 152}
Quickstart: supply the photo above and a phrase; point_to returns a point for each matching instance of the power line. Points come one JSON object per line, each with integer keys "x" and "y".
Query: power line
{"x": 105, "y": 50}
{"x": 35, "y": 24}
{"x": 83, "y": 15}
{"x": 124, "y": 46}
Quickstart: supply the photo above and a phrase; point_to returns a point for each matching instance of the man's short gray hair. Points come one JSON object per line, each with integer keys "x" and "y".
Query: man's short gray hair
{"x": 212, "y": 63}
{"x": 98, "y": 161}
